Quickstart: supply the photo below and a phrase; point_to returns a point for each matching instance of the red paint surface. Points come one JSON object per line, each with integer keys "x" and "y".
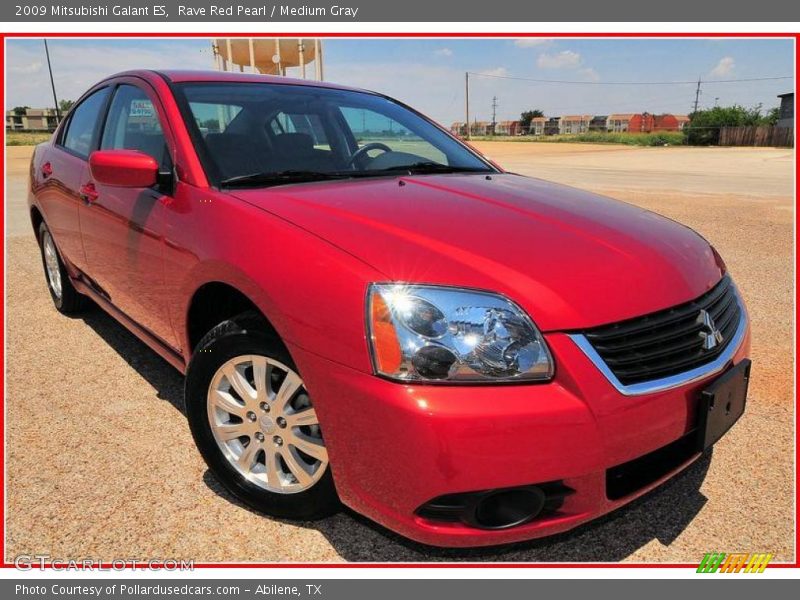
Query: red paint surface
{"x": 304, "y": 254}
{"x": 123, "y": 168}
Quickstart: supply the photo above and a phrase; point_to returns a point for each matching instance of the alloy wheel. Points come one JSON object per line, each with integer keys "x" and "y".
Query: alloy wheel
{"x": 263, "y": 422}
{"x": 51, "y": 264}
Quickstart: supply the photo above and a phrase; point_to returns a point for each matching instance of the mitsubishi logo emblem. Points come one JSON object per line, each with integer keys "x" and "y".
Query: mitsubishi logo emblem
{"x": 711, "y": 336}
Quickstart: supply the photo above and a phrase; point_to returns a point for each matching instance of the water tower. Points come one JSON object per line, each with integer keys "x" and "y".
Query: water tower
{"x": 268, "y": 56}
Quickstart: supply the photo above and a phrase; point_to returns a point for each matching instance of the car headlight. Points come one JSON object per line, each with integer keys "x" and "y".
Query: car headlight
{"x": 441, "y": 334}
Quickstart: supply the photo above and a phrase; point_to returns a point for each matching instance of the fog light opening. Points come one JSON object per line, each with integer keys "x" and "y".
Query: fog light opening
{"x": 509, "y": 508}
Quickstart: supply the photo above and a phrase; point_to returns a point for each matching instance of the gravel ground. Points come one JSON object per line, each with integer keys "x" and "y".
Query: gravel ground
{"x": 100, "y": 461}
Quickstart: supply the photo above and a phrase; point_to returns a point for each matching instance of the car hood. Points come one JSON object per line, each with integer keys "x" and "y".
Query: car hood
{"x": 572, "y": 259}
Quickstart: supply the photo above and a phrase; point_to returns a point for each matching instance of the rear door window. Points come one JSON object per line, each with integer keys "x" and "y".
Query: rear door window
{"x": 84, "y": 122}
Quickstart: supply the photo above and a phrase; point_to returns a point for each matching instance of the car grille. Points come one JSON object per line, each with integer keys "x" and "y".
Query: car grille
{"x": 670, "y": 341}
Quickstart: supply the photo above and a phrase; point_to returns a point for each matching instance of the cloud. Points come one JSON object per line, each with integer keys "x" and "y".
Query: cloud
{"x": 724, "y": 67}
{"x": 566, "y": 59}
{"x": 26, "y": 69}
{"x": 496, "y": 72}
{"x": 444, "y": 52}
{"x": 532, "y": 42}
{"x": 78, "y": 64}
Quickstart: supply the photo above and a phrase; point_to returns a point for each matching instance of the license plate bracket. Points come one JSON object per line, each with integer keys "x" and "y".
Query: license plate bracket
{"x": 722, "y": 404}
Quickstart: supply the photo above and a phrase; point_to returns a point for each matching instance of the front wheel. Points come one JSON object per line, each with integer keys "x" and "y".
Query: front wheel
{"x": 254, "y": 423}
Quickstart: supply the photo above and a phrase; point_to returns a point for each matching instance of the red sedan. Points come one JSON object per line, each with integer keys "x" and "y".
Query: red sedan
{"x": 369, "y": 312}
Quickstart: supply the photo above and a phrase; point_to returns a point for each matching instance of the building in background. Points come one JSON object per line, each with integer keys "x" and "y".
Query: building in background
{"x": 599, "y": 123}
{"x": 683, "y": 121}
{"x": 786, "y": 114}
{"x": 551, "y": 126}
{"x": 507, "y": 128}
{"x": 619, "y": 122}
{"x": 668, "y": 122}
{"x": 31, "y": 119}
{"x": 537, "y": 126}
{"x": 269, "y": 56}
{"x": 642, "y": 123}
{"x": 480, "y": 128}
{"x": 574, "y": 124}
{"x": 459, "y": 128}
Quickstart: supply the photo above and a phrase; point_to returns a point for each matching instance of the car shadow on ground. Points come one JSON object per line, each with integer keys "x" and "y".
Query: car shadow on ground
{"x": 167, "y": 382}
{"x": 658, "y": 516}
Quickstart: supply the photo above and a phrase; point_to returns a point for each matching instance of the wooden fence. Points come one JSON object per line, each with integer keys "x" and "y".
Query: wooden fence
{"x": 757, "y": 135}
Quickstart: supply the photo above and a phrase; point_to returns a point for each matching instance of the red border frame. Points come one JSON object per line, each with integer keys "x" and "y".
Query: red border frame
{"x": 311, "y": 34}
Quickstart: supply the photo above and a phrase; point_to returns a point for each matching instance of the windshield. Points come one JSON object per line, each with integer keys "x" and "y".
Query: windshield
{"x": 271, "y": 134}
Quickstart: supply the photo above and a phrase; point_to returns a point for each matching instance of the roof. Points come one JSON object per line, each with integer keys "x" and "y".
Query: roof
{"x": 185, "y": 76}
{"x": 786, "y": 95}
{"x": 682, "y": 117}
{"x": 577, "y": 117}
{"x": 539, "y": 119}
{"x": 622, "y": 116}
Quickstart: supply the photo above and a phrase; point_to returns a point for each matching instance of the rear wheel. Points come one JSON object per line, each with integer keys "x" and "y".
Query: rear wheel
{"x": 65, "y": 297}
{"x": 254, "y": 422}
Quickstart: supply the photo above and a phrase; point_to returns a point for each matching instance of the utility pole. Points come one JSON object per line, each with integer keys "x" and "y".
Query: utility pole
{"x": 466, "y": 96}
{"x": 52, "y": 83}
{"x": 697, "y": 95}
{"x": 494, "y": 114}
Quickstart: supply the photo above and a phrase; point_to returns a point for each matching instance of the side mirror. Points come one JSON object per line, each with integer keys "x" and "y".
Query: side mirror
{"x": 123, "y": 168}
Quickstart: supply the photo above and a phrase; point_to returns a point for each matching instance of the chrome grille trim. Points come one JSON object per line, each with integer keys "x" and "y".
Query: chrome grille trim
{"x": 673, "y": 381}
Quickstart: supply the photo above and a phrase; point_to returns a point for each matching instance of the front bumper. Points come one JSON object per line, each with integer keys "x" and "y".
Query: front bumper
{"x": 395, "y": 447}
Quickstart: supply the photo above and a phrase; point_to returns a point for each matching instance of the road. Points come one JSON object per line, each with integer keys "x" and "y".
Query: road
{"x": 100, "y": 461}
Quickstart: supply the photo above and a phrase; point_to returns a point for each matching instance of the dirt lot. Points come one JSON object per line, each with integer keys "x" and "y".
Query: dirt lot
{"x": 100, "y": 461}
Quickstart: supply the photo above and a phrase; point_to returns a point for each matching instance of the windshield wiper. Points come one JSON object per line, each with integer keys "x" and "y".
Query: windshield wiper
{"x": 279, "y": 178}
{"x": 301, "y": 176}
{"x": 423, "y": 167}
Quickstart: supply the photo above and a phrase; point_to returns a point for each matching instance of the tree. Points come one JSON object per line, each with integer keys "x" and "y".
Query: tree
{"x": 528, "y": 116}
{"x": 65, "y": 105}
{"x": 704, "y": 127}
{"x": 20, "y": 110}
{"x": 772, "y": 116}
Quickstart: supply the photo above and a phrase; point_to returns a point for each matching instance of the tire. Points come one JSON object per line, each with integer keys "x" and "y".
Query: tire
{"x": 66, "y": 298}
{"x": 223, "y": 399}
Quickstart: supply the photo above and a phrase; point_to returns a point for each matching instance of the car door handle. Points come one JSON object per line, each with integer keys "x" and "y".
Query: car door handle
{"x": 88, "y": 193}
{"x": 47, "y": 170}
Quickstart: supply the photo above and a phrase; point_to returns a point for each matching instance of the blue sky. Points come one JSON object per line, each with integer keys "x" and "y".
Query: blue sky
{"x": 429, "y": 74}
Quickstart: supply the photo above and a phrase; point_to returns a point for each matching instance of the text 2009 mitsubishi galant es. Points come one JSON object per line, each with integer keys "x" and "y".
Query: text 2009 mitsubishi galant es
{"x": 369, "y": 312}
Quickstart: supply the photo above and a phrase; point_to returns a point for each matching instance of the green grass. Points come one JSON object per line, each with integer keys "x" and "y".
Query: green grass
{"x": 662, "y": 138}
{"x": 26, "y": 138}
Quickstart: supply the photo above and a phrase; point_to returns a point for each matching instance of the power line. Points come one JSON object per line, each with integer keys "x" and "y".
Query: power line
{"x": 566, "y": 81}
